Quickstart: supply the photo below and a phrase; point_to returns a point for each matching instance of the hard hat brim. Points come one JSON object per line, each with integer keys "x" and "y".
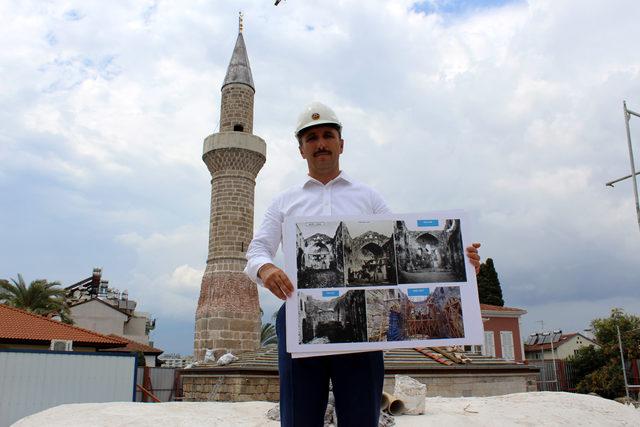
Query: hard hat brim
{"x": 315, "y": 123}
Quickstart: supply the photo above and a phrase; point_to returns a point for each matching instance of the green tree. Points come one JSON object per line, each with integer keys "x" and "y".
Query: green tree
{"x": 585, "y": 361}
{"x": 607, "y": 379}
{"x": 489, "y": 285}
{"x": 40, "y": 297}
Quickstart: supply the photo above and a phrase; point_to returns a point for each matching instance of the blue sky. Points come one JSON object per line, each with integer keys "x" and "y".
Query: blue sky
{"x": 509, "y": 110}
{"x": 457, "y": 8}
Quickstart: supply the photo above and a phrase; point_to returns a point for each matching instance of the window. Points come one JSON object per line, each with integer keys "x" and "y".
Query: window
{"x": 489, "y": 347}
{"x": 61, "y": 345}
{"x": 506, "y": 341}
{"x": 238, "y": 128}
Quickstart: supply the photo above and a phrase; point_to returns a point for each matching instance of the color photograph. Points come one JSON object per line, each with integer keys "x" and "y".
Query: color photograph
{"x": 414, "y": 314}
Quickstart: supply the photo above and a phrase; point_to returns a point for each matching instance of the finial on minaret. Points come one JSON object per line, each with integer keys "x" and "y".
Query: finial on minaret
{"x": 240, "y": 25}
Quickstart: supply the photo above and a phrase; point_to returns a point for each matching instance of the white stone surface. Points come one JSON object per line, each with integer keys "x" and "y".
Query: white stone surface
{"x": 412, "y": 393}
{"x": 522, "y": 409}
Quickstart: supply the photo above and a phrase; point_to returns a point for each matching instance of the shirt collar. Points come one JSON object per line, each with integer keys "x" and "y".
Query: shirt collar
{"x": 341, "y": 177}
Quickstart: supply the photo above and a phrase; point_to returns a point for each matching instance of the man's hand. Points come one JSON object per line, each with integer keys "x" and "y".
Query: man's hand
{"x": 276, "y": 281}
{"x": 474, "y": 256}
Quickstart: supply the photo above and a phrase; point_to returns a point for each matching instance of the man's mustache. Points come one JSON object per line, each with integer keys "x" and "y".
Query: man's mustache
{"x": 321, "y": 152}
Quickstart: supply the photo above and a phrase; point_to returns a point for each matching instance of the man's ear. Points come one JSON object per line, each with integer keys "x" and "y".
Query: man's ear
{"x": 301, "y": 152}
{"x": 341, "y": 145}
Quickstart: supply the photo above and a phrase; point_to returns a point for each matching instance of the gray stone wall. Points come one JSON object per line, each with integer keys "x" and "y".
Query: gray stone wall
{"x": 240, "y": 388}
{"x": 475, "y": 385}
{"x": 230, "y": 388}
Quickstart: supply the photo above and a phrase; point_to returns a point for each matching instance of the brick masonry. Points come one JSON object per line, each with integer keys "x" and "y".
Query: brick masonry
{"x": 236, "y": 108}
{"x": 228, "y": 313}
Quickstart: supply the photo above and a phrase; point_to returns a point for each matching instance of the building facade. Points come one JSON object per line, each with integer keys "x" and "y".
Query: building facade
{"x": 502, "y": 336}
{"x": 556, "y": 346}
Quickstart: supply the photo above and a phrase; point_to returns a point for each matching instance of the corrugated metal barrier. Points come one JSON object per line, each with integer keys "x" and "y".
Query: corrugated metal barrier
{"x": 34, "y": 380}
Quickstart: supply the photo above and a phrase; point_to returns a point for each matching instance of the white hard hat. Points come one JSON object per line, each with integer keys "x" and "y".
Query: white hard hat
{"x": 316, "y": 114}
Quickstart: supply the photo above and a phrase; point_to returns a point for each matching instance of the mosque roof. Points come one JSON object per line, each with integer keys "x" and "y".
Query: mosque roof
{"x": 396, "y": 361}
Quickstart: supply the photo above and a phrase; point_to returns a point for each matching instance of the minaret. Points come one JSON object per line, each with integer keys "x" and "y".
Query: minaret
{"x": 228, "y": 313}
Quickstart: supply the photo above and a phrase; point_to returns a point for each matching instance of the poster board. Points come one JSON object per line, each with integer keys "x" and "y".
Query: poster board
{"x": 374, "y": 282}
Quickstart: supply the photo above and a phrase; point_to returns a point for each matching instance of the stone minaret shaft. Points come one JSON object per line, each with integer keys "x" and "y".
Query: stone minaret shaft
{"x": 228, "y": 313}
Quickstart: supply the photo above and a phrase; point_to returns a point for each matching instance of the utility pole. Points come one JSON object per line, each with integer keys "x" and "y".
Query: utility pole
{"x": 627, "y": 116}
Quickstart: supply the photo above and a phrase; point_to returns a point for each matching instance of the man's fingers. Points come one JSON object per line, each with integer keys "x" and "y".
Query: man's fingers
{"x": 282, "y": 286}
{"x": 275, "y": 290}
{"x": 287, "y": 286}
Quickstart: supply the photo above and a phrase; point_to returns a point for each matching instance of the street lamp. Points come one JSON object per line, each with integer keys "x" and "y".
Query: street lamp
{"x": 627, "y": 116}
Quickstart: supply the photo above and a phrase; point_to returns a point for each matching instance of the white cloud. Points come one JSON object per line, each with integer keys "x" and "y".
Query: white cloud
{"x": 186, "y": 278}
{"x": 512, "y": 112}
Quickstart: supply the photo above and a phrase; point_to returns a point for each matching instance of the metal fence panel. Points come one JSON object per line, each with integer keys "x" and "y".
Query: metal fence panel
{"x": 34, "y": 380}
{"x": 554, "y": 378}
{"x": 162, "y": 381}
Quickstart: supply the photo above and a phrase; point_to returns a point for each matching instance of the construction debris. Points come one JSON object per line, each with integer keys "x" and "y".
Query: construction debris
{"x": 226, "y": 359}
{"x": 411, "y": 393}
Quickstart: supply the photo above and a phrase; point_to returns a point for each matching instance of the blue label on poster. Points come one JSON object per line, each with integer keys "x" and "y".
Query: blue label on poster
{"x": 330, "y": 293}
{"x": 427, "y": 223}
{"x": 418, "y": 292}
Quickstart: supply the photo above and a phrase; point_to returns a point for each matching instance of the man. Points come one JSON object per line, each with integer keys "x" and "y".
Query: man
{"x": 357, "y": 378}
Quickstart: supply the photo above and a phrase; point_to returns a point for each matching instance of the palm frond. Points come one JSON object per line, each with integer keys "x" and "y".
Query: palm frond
{"x": 268, "y": 335}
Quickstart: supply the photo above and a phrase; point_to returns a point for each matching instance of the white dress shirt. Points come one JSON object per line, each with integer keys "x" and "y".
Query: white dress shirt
{"x": 340, "y": 196}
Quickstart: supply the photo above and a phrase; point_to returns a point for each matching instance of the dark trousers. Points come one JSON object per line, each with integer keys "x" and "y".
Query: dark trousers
{"x": 304, "y": 385}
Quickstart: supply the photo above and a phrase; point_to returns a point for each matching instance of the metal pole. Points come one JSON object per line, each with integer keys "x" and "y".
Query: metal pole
{"x": 624, "y": 370}
{"x": 553, "y": 359}
{"x": 543, "y": 366}
{"x": 544, "y": 370}
{"x": 627, "y": 116}
{"x": 610, "y": 183}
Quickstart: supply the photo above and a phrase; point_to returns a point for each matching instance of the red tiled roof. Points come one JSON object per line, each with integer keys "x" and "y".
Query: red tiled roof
{"x": 134, "y": 346}
{"x": 490, "y": 307}
{"x": 20, "y": 326}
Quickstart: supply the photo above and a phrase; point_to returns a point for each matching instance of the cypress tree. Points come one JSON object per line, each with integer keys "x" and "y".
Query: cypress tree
{"x": 489, "y": 285}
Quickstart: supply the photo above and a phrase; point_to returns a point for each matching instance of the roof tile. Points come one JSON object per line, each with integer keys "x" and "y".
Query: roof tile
{"x": 20, "y": 325}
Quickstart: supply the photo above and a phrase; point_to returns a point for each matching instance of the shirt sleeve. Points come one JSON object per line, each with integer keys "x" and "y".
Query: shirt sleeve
{"x": 378, "y": 203}
{"x": 266, "y": 240}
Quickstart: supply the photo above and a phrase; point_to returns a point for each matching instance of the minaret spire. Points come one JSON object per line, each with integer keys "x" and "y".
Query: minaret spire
{"x": 239, "y": 70}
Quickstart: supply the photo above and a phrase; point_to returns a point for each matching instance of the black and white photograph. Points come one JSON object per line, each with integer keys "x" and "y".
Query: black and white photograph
{"x": 429, "y": 254}
{"x": 376, "y": 282}
{"x": 369, "y": 253}
{"x": 320, "y": 255}
{"x": 332, "y": 317}
{"x": 414, "y": 314}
